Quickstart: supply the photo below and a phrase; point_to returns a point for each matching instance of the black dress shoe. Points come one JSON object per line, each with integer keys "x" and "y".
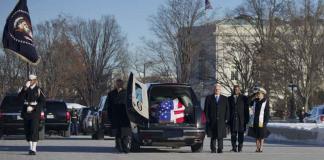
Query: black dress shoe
{"x": 239, "y": 149}
{"x": 219, "y": 151}
{"x": 234, "y": 150}
{"x": 33, "y": 153}
{"x": 119, "y": 148}
{"x": 126, "y": 149}
{"x": 213, "y": 151}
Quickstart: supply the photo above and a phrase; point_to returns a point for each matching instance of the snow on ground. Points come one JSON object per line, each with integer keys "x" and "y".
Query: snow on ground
{"x": 308, "y": 133}
{"x": 75, "y": 106}
{"x": 298, "y": 126}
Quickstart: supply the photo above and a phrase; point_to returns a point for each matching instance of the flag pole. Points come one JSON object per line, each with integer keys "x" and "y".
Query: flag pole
{"x": 27, "y": 69}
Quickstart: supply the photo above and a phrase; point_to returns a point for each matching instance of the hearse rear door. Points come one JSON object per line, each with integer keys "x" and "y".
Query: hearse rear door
{"x": 137, "y": 101}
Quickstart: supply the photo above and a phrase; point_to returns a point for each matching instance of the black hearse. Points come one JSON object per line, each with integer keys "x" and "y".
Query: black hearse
{"x": 143, "y": 107}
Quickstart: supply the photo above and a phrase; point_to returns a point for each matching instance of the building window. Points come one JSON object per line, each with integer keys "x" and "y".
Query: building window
{"x": 203, "y": 70}
{"x": 234, "y": 75}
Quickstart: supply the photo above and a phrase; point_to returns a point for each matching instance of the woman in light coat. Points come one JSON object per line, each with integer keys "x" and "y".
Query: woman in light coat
{"x": 259, "y": 119}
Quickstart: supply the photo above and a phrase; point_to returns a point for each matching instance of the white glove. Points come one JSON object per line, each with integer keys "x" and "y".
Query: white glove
{"x": 30, "y": 109}
{"x": 28, "y": 84}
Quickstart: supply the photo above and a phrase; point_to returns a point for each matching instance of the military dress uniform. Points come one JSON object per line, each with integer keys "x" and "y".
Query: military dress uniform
{"x": 34, "y": 100}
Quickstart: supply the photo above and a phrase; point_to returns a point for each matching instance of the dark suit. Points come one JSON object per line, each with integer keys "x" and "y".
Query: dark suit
{"x": 118, "y": 117}
{"x": 239, "y": 117}
{"x": 217, "y": 115}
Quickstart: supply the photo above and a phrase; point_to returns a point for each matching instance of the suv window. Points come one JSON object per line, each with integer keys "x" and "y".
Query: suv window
{"x": 55, "y": 106}
{"x": 322, "y": 111}
{"x": 106, "y": 105}
{"x": 313, "y": 112}
{"x": 84, "y": 111}
{"x": 102, "y": 106}
{"x": 11, "y": 104}
{"x": 138, "y": 93}
{"x": 185, "y": 95}
{"x": 163, "y": 94}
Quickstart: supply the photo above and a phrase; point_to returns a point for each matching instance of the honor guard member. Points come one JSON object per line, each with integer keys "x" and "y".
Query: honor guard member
{"x": 34, "y": 100}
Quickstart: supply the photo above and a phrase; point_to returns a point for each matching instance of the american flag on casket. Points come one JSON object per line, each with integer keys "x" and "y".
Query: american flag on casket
{"x": 171, "y": 111}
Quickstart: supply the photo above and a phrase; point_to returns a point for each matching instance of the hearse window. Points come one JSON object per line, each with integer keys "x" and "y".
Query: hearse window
{"x": 138, "y": 92}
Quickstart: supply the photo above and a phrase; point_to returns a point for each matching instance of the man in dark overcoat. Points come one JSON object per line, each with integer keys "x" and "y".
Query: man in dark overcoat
{"x": 34, "y": 101}
{"x": 118, "y": 116}
{"x": 239, "y": 117}
{"x": 217, "y": 115}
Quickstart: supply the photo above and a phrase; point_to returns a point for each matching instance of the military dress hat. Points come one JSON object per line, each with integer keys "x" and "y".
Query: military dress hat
{"x": 262, "y": 90}
{"x": 32, "y": 77}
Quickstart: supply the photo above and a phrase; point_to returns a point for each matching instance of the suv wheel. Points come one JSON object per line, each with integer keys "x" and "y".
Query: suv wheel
{"x": 100, "y": 134}
{"x": 67, "y": 133}
{"x": 94, "y": 136}
{"x": 198, "y": 147}
{"x": 1, "y": 134}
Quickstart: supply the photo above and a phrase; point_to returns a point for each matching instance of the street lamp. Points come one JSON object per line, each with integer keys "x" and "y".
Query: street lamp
{"x": 201, "y": 88}
{"x": 292, "y": 109}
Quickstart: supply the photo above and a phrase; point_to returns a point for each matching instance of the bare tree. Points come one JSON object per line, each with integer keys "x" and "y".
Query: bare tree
{"x": 287, "y": 45}
{"x": 261, "y": 14}
{"x": 173, "y": 25}
{"x": 56, "y": 70}
{"x": 154, "y": 61}
{"x": 249, "y": 46}
{"x": 79, "y": 59}
{"x": 235, "y": 66}
{"x": 12, "y": 73}
{"x": 103, "y": 49}
{"x": 140, "y": 62}
{"x": 301, "y": 46}
{"x": 161, "y": 63}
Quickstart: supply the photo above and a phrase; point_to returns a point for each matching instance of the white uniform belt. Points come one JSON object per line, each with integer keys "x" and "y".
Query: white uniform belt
{"x": 31, "y": 103}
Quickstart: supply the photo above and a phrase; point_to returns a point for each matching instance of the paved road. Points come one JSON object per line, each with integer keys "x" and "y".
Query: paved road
{"x": 82, "y": 148}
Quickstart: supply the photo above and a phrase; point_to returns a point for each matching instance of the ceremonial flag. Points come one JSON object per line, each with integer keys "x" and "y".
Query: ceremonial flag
{"x": 171, "y": 111}
{"x": 178, "y": 111}
{"x": 208, "y": 5}
{"x": 18, "y": 34}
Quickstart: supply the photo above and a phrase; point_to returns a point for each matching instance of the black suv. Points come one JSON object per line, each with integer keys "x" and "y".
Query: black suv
{"x": 103, "y": 124}
{"x": 82, "y": 115}
{"x": 153, "y": 121}
{"x": 11, "y": 122}
{"x": 58, "y": 118}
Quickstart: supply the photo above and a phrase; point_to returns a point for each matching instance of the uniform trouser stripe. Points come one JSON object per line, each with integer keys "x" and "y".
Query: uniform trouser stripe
{"x": 31, "y": 129}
